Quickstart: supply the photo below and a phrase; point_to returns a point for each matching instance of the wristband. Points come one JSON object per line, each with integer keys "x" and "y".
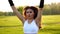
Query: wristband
{"x": 41, "y": 4}
{"x": 11, "y": 2}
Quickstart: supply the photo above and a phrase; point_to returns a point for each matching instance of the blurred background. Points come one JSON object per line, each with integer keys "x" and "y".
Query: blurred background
{"x": 10, "y": 24}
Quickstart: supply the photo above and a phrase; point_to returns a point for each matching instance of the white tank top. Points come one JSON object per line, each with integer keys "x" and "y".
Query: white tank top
{"x": 30, "y": 28}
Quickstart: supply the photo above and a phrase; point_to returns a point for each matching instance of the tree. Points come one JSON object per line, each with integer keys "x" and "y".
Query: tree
{"x": 20, "y": 9}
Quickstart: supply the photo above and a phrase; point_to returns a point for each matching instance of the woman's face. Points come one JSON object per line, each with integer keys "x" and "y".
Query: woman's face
{"x": 29, "y": 14}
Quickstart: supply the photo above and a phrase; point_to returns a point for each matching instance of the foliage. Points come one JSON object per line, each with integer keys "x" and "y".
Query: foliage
{"x": 49, "y": 9}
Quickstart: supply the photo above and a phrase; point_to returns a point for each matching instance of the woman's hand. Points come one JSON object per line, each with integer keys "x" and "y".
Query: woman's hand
{"x": 41, "y": 4}
{"x": 11, "y": 2}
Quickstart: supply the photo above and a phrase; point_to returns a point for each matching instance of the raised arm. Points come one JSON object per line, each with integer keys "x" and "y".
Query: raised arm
{"x": 39, "y": 15}
{"x": 16, "y": 11}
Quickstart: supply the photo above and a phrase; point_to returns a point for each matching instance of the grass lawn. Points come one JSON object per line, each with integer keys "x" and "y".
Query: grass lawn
{"x": 12, "y": 25}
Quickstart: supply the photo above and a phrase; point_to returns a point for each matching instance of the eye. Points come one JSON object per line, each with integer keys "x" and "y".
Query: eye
{"x": 30, "y": 12}
{"x": 27, "y": 12}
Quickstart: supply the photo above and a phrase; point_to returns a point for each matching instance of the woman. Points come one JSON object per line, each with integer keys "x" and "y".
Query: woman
{"x": 32, "y": 19}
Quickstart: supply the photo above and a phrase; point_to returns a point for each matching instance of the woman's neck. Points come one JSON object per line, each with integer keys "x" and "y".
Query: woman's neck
{"x": 30, "y": 20}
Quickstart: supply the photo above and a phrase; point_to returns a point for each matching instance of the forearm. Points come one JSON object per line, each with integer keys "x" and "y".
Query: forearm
{"x": 17, "y": 13}
{"x": 41, "y": 5}
{"x": 40, "y": 11}
{"x": 40, "y": 16}
{"x": 13, "y": 7}
{"x": 15, "y": 10}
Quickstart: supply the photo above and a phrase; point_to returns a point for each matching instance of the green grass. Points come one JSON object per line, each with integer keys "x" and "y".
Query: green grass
{"x": 12, "y": 25}
{"x": 51, "y": 19}
{"x": 9, "y": 21}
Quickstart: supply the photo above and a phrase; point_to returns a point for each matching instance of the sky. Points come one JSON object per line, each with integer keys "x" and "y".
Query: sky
{"x": 4, "y": 5}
